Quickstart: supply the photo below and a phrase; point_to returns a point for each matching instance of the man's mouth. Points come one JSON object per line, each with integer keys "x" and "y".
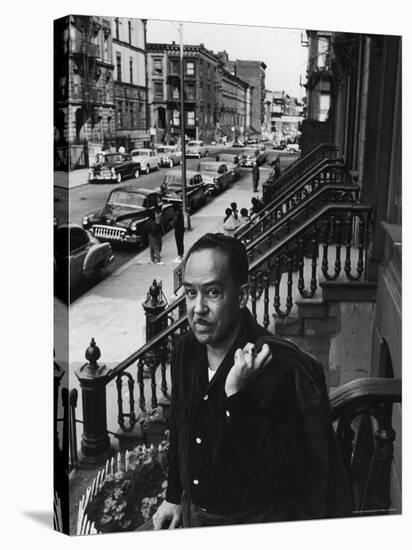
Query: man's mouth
{"x": 200, "y": 324}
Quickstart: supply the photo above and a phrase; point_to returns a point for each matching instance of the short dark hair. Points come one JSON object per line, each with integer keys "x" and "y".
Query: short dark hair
{"x": 234, "y": 250}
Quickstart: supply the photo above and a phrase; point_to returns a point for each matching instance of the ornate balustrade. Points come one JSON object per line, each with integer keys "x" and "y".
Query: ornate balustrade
{"x": 325, "y": 172}
{"x": 273, "y": 187}
{"x": 291, "y": 214}
{"x": 340, "y": 230}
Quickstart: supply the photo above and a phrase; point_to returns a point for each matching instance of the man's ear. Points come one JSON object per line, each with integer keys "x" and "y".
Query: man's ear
{"x": 243, "y": 295}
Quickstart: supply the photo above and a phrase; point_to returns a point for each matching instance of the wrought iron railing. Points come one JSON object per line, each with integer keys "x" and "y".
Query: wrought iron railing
{"x": 333, "y": 229}
{"x": 369, "y": 400}
{"x": 325, "y": 172}
{"x": 273, "y": 187}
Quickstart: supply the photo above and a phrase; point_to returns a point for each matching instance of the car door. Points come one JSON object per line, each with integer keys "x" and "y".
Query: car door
{"x": 79, "y": 244}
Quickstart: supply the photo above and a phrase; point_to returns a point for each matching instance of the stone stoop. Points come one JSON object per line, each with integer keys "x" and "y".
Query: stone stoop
{"x": 336, "y": 328}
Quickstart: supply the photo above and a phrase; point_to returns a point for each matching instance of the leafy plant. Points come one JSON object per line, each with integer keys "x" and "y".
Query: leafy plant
{"x": 128, "y": 499}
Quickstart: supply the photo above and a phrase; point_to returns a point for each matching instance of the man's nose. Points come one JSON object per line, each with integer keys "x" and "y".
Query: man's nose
{"x": 200, "y": 304}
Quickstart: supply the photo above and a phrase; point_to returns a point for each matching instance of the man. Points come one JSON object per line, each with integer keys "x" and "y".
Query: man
{"x": 250, "y": 434}
{"x": 255, "y": 176}
{"x": 179, "y": 229}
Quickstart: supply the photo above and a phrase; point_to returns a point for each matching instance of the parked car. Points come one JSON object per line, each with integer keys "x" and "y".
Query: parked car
{"x": 216, "y": 176}
{"x": 232, "y": 163}
{"x": 196, "y": 190}
{"x": 146, "y": 159}
{"x": 248, "y": 157}
{"x": 169, "y": 155}
{"x": 292, "y": 148}
{"x": 113, "y": 167}
{"x": 196, "y": 148}
{"x": 238, "y": 143}
{"x": 124, "y": 217}
{"x": 78, "y": 256}
{"x": 251, "y": 140}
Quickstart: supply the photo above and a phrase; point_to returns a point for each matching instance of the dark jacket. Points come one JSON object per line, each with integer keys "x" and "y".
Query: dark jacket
{"x": 272, "y": 440}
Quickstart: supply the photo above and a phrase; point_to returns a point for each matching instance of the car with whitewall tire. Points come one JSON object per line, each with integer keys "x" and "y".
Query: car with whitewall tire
{"x": 113, "y": 168}
{"x": 147, "y": 160}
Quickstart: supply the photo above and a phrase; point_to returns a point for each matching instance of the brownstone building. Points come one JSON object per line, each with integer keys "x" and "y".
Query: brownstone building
{"x": 129, "y": 77}
{"x": 363, "y": 74}
{"x": 200, "y": 90}
{"x": 83, "y": 87}
{"x": 253, "y": 72}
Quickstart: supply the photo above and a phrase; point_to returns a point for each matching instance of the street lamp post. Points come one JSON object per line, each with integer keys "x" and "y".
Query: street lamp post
{"x": 186, "y": 215}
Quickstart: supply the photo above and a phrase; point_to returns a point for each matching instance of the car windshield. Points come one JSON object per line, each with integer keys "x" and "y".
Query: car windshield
{"x": 123, "y": 198}
{"x": 194, "y": 143}
{"x": 173, "y": 181}
{"x": 163, "y": 150}
{"x": 227, "y": 158}
{"x": 109, "y": 159}
{"x": 141, "y": 153}
{"x": 208, "y": 167}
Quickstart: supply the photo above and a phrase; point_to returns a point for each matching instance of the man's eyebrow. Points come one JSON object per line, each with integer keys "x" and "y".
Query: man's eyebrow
{"x": 203, "y": 284}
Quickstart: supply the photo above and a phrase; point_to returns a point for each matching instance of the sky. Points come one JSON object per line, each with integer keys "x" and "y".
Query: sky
{"x": 279, "y": 48}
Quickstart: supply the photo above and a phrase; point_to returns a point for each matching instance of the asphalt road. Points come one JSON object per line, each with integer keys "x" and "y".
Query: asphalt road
{"x": 90, "y": 197}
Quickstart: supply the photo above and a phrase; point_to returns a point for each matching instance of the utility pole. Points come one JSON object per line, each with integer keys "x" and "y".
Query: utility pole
{"x": 186, "y": 215}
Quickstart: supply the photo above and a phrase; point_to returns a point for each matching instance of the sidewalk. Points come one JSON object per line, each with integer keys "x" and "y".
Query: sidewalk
{"x": 72, "y": 179}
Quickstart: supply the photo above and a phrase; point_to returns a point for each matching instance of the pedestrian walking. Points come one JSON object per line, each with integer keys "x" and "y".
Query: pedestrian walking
{"x": 154, "y": 233}
{"x": 255, "y": 176}
{"x": 275, "y": 164}
{"x": 179, "y": 228}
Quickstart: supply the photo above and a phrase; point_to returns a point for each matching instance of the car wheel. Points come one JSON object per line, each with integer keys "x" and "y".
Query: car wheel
{"x": 119, "y": 178}
{"x": 136, "y": 173}
{"x": 171, "y": 163}
{"x": 147, "y": 169}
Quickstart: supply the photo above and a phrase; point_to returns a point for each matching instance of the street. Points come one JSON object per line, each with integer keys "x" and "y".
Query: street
{"x": 89, "y": 197}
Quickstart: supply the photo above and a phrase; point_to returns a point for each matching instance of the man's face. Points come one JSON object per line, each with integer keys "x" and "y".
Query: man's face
{"x": 213, "y": 302}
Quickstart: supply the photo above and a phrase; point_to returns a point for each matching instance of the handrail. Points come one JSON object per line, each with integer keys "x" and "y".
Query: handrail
{"x": 300, "y": 183}
{"x": 270, "y": 232}
{"x": 384, "y": 390}
{"x": 298, "y": 168}
{"x": 155, "y": 341}
{"x": 305, "y": 226}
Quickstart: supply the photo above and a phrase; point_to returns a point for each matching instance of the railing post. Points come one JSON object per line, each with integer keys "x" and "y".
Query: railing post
{"x": 153, "y": 306}
{"x": 95, "y": 445}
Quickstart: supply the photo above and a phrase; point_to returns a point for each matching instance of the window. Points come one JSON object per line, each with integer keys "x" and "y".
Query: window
{"x": 116, "y": 23}
{"x": 158, "y": 90}
{"x": 190, "y": 92}
{"x": 119, "y": 66}
{"x": 176, "y": 118}
{"x": 190, "y": 68}
{"x": 174, "y": 66}
{"x": 129, "y": 25}
{"x": 119, "y": 115}
{"x": 323, "y": 52}
{"x": 324, "y": 105}
{"x": 175, "y": 92}
{"x": 157, "y": 65}
{"x": 131, "y": 69}
{"x": 190, "y": 118}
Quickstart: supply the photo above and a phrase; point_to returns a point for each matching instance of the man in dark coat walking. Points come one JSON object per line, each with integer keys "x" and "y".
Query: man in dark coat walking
{"x": 179, "y": 228}
{"x": 255, "y": 176}
{"x": 251, "y": 438}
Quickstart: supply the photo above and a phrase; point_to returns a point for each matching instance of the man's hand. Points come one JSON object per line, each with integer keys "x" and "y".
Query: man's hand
{"x": 247, "y": 363}
{"x": 167, "y": 516}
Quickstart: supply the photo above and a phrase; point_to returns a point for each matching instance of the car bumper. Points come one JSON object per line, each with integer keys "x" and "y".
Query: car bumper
{"x": 98, "y": 177}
